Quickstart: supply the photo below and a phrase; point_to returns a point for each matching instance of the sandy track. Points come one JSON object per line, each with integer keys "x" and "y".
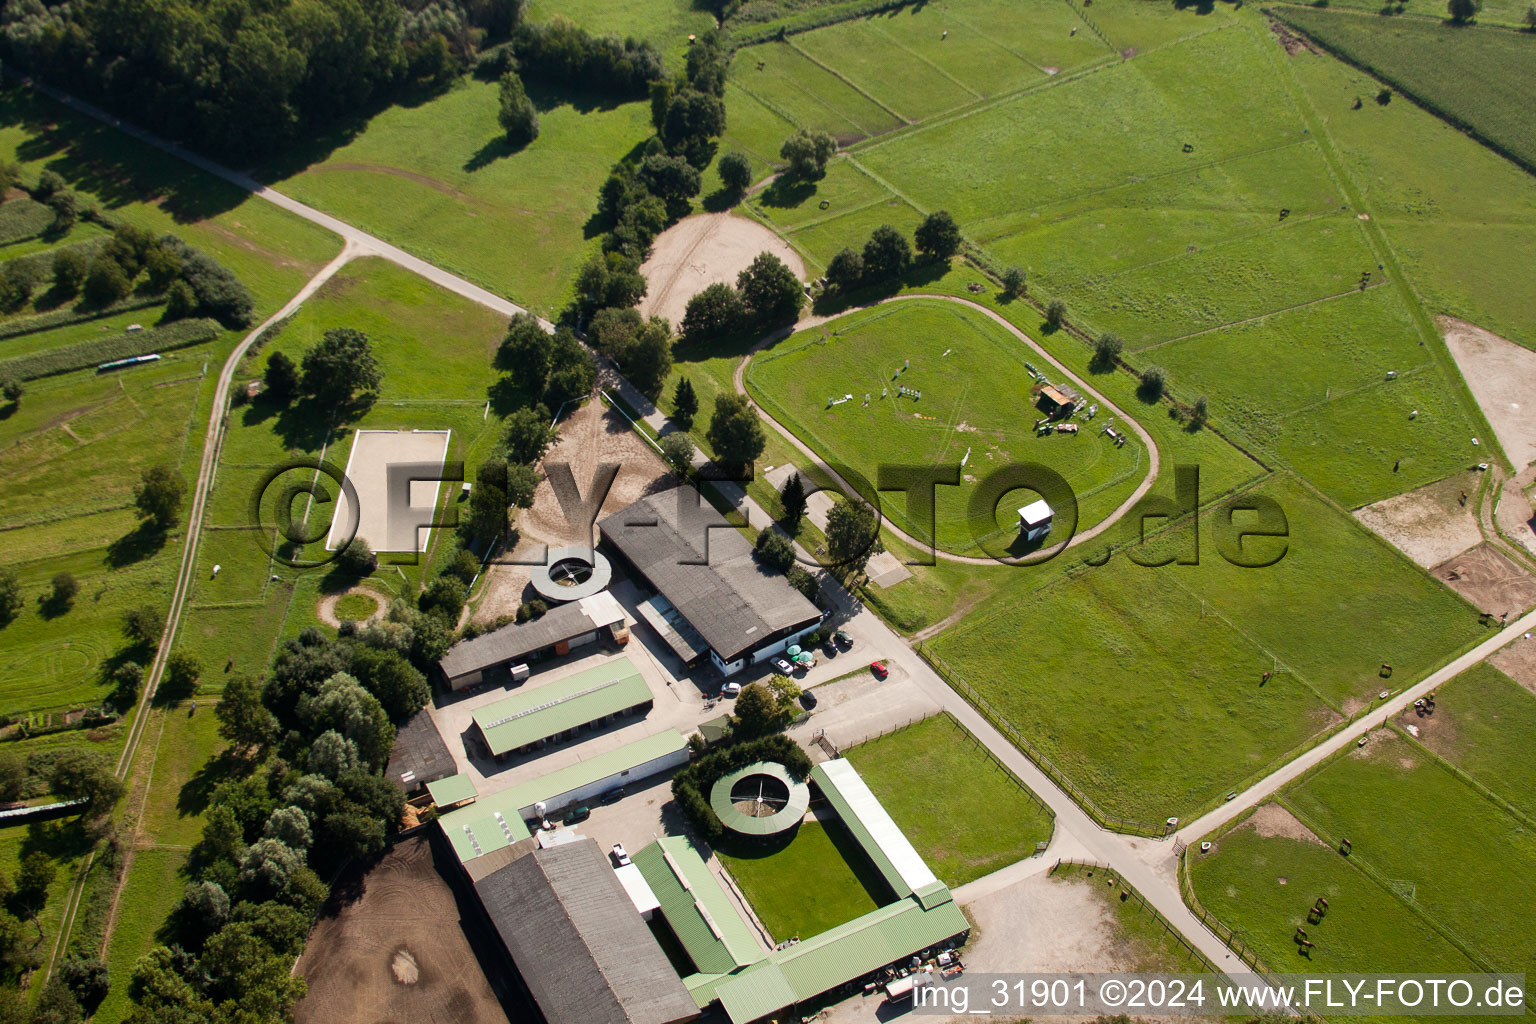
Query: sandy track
{"x": 1502, "y": 376}
{"x": 592, "y": 436}
{"x": 1430, "y": 524}
{"x": 700, "y": 250}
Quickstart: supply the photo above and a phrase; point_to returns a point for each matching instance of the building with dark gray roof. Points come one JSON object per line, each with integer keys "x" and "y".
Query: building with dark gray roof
{"x": 704, "y": 572}
{"x": 492, "y": 656}
{"x": 419, "y": 755}
{"x": 581, "y": 947}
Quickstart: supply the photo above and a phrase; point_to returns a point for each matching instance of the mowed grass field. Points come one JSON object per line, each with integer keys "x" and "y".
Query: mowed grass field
{"x": 1426, "y": 843}
{"x": 976, "y": 399}
{"x": 76, "y": 444}
{"x": 1474, "y": 74}
{"x": 1460, "y": 844}
{"x": 435, "y": 351}
{"x": 963, "y": 812}
{"x": 440, "y": 181}
{"x": 1262, "y": 887}
{"x": 1461, "y": 240}
{"x": 816, "y": 880}
{"x": 1199, "y": 216}
{"x": 1144, "y": 685}
{"x": 1483, "y": 723}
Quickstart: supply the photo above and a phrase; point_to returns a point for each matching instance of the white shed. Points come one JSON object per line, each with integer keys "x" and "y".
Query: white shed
{"x": 1035, "y": 520}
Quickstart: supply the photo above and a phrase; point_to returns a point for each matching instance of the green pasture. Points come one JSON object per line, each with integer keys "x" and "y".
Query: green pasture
{"x": 816, "y": 879}
{"x": 1461, "y": 240}
{"x": 438, "y": 179}
{"x": 1434, "y": 839}
{"x": 73, "y": 450}
{"x": 154, "y": 886}
{"x": 666, "y": 23}
{"x": 1094, "y": 132}
{"x": 1476, "y": 75}
{"x": 1139, "y": 695}
{"x": 271, "y": 250}
{"x": 963, "y": 812}
{"x": 1483, "y": 723}
{"x": 435, "y": 350}
{"x": 975, "y": 395}
{"x": 1262, "y": 888}
{"x": 1109, "y": 669}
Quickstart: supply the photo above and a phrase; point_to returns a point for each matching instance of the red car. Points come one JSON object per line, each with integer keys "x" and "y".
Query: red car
{"x": 879, "y": 669}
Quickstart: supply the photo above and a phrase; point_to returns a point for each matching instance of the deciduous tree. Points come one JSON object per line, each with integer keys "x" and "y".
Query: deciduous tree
{"x": 735, "y": 432}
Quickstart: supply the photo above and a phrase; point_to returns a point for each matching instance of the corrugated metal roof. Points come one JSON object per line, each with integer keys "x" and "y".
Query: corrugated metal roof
{"x": 893, "y": 854}
{"x": 578, "y": 941}
{"x": 756, "y": 993}
{"x": 476, "y": 830}
{"x": 702, "y": 915}
{"x": 823, "y": 962}
{"x": 539, "y": 712}
{"x": 518, "y": 640}
{"x": 705, "y": 568}
{"x": 452, "y": 790}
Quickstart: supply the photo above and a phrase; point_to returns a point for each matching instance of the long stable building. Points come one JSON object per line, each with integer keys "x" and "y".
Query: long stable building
{"x": 712, "y": 596}
{"x": 494, "y": 657}
{"x": 537, "y": 716}
{"x": 750, "y": 981}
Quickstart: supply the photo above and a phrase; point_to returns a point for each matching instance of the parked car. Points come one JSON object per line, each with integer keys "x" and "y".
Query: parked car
{"x": 879, "y": 669}
{"x": 782, "y": 667}
{"x": 620, "y": 855}
{"x": 613, "y": 796}
{"x": 807, "y": 699}
{"x": 730, "y": 690}
{"x": 829, "y": 648}
{"x": 581, "y": 813}
{"x": 842, "y": 639}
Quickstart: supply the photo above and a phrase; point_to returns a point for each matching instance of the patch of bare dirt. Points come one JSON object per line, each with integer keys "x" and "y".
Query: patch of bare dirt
{"x": 591, "y": 437}
{"x": 1431, "y": 524}
{"x": 701, "y": 250}
{"x": 1518, "y": 661}
{"x": 1272, "y": 820}
{"x": 1490, "y": 580}
{"x": 1292, "y": 42}
{"x": 1502, "y": 376}
{"x": 326, "y": 609}
{"x": 393, "y": 945}
{"x": 1043, "y": 924}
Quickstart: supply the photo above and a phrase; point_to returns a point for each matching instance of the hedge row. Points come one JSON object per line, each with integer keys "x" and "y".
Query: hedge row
{"x": 66, "y": 315}
{"x": 814, "y": 18}
{"x": 23, "y": 218}
{"x": 104, "y": 350}
{"x": 691, "y": 786}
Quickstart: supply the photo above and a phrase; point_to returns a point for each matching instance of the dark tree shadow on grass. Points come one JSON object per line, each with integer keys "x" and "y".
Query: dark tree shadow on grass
{"x": 919, "y": 276}
{"x": 720, "y": 200}
{"x": 303, "y": 426}
{"x": 51, "y": 607}
{"x": 492, "y": 151}
{"x": 196, "y": 793}
{"x": 787, "y": 193}
{"x": 95, "y": 158}
{"x": 145, "y": 540}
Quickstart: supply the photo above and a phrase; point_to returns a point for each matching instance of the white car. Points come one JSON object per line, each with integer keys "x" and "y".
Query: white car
{"x": 782, "y": 667}
{"x": 730, "y": 690}
{"x": 620, "y": 855}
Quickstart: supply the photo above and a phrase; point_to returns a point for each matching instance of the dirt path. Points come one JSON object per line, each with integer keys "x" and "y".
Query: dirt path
{"x": 738, "y": 380}
{"x": 700, "y": 250}
{"x": 326, "y": 609}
